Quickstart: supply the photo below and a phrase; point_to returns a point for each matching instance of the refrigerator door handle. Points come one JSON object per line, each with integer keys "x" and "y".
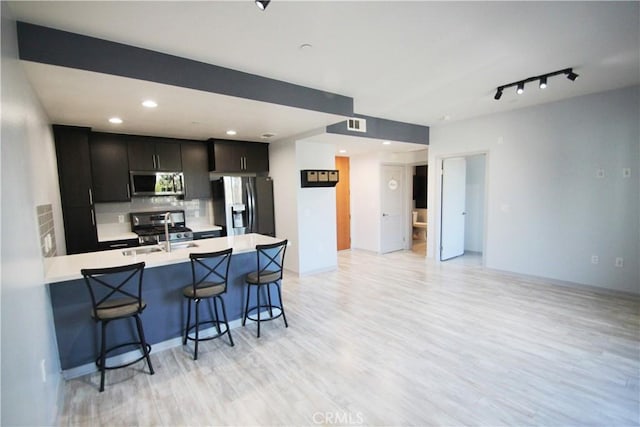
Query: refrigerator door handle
{"x": 252, "y": 208}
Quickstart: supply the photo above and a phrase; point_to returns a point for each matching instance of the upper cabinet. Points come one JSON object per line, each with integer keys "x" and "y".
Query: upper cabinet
{"x": 109, "y": 167}
{"x": 153, "y": 154}
{"x": 196, "y": 171}
{"x": 238, "y": 156}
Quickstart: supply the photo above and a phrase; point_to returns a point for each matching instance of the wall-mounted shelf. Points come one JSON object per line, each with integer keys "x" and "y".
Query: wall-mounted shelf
{"x": 318, "y": 178}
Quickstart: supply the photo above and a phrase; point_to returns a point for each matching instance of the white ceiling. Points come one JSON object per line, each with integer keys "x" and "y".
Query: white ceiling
{"x": 415, "y": 62}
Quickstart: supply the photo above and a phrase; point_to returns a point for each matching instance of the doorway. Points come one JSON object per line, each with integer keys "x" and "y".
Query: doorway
{"x": 462, "y": 208}
{"x": 343, "y": 204}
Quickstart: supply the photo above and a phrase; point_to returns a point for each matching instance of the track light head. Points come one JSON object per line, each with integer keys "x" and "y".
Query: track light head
{"x": 498, "y": 94}
{"x": 262, "y": 4}
{"x": 571, "y": 75}
{"x": 520, "y": 88}
{"x": 543, "y": 82}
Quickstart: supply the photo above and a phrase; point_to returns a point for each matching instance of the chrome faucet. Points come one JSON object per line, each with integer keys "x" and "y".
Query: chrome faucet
{"x": 167, "y": 219}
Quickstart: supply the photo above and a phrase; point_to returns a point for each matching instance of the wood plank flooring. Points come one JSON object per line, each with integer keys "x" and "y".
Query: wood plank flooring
{"x": 395, "y": 340}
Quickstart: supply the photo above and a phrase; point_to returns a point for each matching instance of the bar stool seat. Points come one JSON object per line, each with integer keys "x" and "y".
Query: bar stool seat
{"x": 116, "y": 294}
{"x": 204, "y": 266}
{"x": 270, "y": 264}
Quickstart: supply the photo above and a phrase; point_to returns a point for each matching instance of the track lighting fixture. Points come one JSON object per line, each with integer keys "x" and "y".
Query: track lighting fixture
{"x": 262, "y": 4}
{"x": 541, "y": 78}
{"x": 543, "y": 82}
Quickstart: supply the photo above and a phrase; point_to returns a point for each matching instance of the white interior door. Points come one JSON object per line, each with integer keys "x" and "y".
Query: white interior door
{"x": 454, "y": 173}
{"x": 393, "y": 191}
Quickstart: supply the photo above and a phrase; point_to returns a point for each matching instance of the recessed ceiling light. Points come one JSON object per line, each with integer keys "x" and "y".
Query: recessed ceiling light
{"x": 386, "y": 142}
{"x": 149, "y": 103}
{"x": 231, "y": 132}
{"x": 342, "y": 151}
{"x": 267, "y": 135}
{"x": 115, "y": 120}
{"x": 305, "y": 46}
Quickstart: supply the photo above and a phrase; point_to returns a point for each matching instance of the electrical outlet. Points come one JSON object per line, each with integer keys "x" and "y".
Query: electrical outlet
{"x": 626, "y": 172}
{"x": 121, "y": 219}
{"x": 619, "y": 262}
{"x": 599, "y": 173}
{"x": 595, "y": 259}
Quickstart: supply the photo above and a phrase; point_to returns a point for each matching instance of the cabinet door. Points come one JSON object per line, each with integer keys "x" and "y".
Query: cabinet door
{"x": 256, "y": 157}
{"x": 196, "y": 171}
{"x": 168, "y": 156}
{"x": 80, "y": 229}
{"x": 142, "y": 154}
{"x": 74, "y": 165}
{"x": 228, "y": 156}
{"x": 109, "y": 167}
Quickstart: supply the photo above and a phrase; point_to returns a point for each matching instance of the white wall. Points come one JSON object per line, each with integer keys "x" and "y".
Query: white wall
{"x": 29, "y": 178}
{"x": 282, "y": 166}
{"x": 316, "y": 211}
{"x": 547, "y": 212}
{"x": 305, "y": 216}
{"x": 474, "y": 218}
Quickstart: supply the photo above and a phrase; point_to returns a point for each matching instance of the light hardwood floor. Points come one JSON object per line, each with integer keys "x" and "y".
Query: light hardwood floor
{"x": 396, "y": 340}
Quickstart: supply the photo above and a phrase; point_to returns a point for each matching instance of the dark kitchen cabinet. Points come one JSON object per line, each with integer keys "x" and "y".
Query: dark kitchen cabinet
{"x": 109, "y": 168}
{"x": 118, "y": 244}
{"x": 153, "y": 154}
{"x": 196, "y": 170}
{"x": 76, "y": 192}
{"x": 238, "y": 156}
{"x": 207, "y": 234}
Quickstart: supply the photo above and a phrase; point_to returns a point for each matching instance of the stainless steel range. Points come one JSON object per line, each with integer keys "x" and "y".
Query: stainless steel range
{"x": 150, "y": 227}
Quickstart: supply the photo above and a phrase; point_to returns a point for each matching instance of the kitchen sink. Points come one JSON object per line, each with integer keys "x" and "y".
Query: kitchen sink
{"x": 141, "y": 251}
{"x": 183, "y": 245}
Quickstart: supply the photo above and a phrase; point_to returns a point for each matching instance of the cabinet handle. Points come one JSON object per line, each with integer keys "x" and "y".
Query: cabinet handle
{"x": 204, "y": 236}
{"x": 90, "y": 197}
{"x": 93, "y": 218}
{"x": 158, "y": 161}
{"x": 118, "y": 245}
{"x": 153, "y": 157}
{"x": 128, "y": 191}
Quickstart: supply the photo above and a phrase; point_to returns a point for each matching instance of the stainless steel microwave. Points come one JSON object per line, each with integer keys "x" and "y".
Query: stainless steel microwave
{"x": 157, "y": 183}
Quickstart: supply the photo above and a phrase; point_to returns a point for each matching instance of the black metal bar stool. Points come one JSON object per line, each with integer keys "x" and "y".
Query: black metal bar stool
{"x": 209, "y": 274}
{"x": 116, "y": 293}
{"x": 269, "y": 272}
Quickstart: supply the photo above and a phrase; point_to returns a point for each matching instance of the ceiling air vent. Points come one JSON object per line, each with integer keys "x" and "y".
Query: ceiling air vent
{"x": 357, "y": 125}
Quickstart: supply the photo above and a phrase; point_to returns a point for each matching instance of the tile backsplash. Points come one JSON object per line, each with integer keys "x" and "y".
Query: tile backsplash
{"x": 197, "y": 211}
{"x": 46, "y": 231}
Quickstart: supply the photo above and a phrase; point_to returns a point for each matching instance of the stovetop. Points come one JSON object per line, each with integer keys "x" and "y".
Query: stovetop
{"x": 150, "y": 227}
{"x": 152, "y": 231}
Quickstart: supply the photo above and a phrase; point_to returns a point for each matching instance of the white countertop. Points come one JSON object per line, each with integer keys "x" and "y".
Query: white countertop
{"x": 198, "y": 228}
{"x": 68, "y": 267}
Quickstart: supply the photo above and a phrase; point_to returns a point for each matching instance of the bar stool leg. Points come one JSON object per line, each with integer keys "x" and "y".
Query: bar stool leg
{"x": 186, "y": 329}
{"x": 269, "y": 299}
{"x": 246, "y": 306}
{"x": 217, "y": 318}
{"x": 143, "y": 343}
{"x": 284, "y": 317}
{"x": 195, "y": 354}
{"x": 258, "y": 292}
{"x": 102, "y": 354}
{"x": 224, "y": 313}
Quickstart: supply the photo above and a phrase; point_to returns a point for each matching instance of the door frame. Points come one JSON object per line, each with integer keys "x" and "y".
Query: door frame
{"x": 435, "y": 200}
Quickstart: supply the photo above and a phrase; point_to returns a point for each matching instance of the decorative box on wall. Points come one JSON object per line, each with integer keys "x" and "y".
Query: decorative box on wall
{"x": 318, "y": 178}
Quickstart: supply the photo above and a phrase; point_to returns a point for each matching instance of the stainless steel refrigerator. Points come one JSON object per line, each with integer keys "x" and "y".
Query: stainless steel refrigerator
{"x": 244, "y": 204}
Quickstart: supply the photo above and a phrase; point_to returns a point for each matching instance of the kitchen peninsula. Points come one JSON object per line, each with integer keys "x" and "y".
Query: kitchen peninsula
{"x": 166, "y": 273}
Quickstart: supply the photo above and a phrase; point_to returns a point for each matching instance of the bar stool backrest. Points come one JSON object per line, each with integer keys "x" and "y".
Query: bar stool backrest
{"x": 271, "y": 260}
{"x": 211, "y": 268}
{"x": 115, "y": 286}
